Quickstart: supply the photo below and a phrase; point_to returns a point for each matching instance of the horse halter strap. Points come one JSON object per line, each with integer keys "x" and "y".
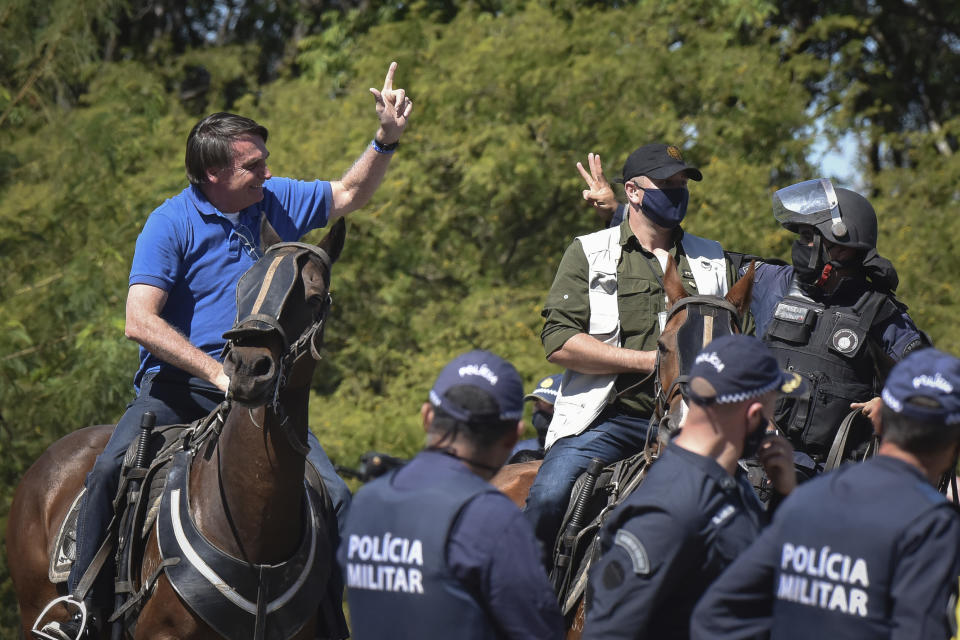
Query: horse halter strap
{"x": 261, "y": 295}
{"x": 662, "y": 399}
{"x": 263, "y": 291}
{"x": 708, "y": 301}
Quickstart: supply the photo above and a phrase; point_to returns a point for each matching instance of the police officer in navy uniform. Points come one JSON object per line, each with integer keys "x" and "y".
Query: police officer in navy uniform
{"x": 432, "y": 550}
{"x": 868, "y": 551}
{"x": 832, "y": 315}
{"x": 695, "y": 511}
{"x": 543, "y": 396}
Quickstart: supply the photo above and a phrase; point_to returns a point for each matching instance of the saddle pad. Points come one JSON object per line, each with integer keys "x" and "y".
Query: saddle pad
{"x": 64, "y": 549}
{"x": 65, "y": 544}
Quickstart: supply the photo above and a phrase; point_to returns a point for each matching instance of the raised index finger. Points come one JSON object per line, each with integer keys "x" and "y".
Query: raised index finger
{"x": 388, "y": 81}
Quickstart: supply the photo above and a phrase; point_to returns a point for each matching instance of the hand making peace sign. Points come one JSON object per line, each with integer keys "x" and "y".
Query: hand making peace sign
{"x": 600, "y": 194}
{"x": 393, "y": 108}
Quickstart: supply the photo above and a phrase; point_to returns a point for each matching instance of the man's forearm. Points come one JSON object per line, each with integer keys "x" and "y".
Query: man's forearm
{"x": 361, "y": 181}
{"x": 169, "y": 345}
{"x": 586, "y": 354}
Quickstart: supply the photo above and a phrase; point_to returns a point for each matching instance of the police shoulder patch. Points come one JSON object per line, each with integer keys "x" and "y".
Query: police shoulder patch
{"x": 635, "y": 550}
{"x": 915, "y": 344}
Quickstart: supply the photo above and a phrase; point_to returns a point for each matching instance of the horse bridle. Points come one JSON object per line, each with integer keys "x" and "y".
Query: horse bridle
{"x": 309, "y": 341}
{"x": 662, "y": 399}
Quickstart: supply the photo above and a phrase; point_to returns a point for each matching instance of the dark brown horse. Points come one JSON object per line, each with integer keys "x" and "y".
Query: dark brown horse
{"x": 692, "y": 322}
{"x": 245, "y": 484}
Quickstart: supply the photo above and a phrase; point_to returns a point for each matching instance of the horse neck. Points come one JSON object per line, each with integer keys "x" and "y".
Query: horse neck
{"x": 247, "y": 498}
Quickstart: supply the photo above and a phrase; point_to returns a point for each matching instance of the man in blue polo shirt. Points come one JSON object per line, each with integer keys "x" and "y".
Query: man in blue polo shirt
{"x": 870, "y": 550}
{"x": 695, "y": 510}
{"x": 188, "y": 260}
{"x": 432, "y": 550}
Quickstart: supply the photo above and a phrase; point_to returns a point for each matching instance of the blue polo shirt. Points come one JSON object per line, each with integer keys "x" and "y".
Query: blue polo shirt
{"x": 197, "y": 255}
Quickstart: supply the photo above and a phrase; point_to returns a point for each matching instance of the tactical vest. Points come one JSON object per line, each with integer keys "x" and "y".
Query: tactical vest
{"x": 837, "y": 547}
{"x": 583, "y": 396}
{"x": 393, "y": 553}
{"x": 828, "y": 346}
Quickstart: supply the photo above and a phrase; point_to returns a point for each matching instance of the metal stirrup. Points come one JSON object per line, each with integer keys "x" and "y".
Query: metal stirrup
{"x": 65, "y": 600}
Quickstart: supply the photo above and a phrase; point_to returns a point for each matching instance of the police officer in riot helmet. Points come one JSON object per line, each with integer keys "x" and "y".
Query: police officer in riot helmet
{"x": 433, "y": 550}
{"x": 832, "y": 315}
{"x": 838, "y": 247}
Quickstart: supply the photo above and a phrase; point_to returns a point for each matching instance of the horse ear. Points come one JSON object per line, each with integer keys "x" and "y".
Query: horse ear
{"x": 742, "y": 292}
{"x": 672, "y": 284}
{"x": 332, "y": 243}
{"x": 268, "y": 235}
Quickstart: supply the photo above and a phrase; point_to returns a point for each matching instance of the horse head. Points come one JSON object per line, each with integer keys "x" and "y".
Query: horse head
{"x": 692, "y": 322}
{"x": 282, "y": 304}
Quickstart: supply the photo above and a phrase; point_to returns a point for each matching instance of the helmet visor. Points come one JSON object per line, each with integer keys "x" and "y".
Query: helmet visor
{"x": 810, "y": 202}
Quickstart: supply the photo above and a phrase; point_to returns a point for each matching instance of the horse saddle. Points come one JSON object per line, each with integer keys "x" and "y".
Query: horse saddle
{"x": 582, "y": 547}
{"x": 163, "y": 441}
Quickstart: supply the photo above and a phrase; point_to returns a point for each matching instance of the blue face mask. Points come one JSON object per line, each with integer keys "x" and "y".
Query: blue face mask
{"x": 665, "y": 207}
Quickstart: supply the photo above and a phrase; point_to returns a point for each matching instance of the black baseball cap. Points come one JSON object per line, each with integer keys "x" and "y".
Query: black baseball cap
{"x": 657, "y": 161}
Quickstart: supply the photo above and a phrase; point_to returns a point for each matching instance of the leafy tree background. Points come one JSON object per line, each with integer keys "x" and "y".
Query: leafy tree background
{"x": 459, "y": 246}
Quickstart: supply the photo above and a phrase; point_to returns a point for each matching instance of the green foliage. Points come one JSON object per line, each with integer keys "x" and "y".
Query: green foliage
{"x": 891, "y": 69}
{"x": 460, "y": 244}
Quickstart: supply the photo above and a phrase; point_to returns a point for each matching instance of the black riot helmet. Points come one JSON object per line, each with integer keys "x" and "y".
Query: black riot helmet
{"x": 841, "y": 216}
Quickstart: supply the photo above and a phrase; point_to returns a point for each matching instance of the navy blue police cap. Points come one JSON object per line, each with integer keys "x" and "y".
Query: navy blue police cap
{"x": 486, "y": 371}
{"x": 546, "y": 390}
{"x": 925, "y": 386}
{"x": 736, "y": 368}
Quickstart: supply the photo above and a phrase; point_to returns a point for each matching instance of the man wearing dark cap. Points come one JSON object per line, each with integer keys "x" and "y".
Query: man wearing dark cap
{"x": 432, "y": 550}
{"x": 868, "y": 551}
{"x": 695, "y": 511}
{"x": 831, "y": 315}
{"x": 543, "y": 396}
{"x": 603, "y": 316}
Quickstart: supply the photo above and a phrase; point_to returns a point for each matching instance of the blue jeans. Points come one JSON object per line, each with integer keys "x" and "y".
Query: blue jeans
{"x": 611, "y": 437}
{"x": 174, "y": 401}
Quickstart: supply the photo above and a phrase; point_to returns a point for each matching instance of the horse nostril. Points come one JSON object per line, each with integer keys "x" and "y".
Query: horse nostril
{"x": 262, "y": 366}
{"x": 229, "y": 363}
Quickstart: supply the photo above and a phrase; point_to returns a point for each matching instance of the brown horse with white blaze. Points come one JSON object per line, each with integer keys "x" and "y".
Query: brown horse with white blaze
{"x": 243, "y": 487}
